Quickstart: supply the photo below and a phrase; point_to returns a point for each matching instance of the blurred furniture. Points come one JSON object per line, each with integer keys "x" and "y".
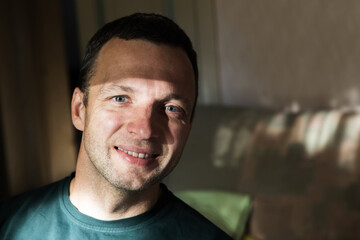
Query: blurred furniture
{"x": 302, "y": 170}
{"x": 229, "y": 211}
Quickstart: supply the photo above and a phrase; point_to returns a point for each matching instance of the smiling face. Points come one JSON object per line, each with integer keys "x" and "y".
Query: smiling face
{"x": 138, "y": 115}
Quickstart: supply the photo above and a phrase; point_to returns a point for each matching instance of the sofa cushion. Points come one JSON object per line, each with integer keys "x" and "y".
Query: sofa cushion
{"x": 229, "y": 211}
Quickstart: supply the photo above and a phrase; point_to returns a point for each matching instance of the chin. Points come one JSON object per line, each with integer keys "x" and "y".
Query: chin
{"x": 136, "y": 186}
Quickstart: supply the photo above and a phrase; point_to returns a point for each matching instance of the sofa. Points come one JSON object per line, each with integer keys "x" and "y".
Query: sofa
{"x": 296, "y": 175}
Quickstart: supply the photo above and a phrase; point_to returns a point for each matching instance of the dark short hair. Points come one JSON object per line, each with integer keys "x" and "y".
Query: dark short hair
{"x": 150, "y": 27}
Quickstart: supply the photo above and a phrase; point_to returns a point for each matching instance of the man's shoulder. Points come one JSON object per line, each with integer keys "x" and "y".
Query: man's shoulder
{"x": 189, "y": 221}
{"x": 29, "y": 201}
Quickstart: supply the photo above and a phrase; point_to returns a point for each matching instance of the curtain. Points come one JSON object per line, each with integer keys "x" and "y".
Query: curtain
{"x": 37, "y": 134}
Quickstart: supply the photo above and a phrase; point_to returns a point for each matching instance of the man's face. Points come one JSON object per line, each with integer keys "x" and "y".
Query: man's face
{"x": 138, "y": 115}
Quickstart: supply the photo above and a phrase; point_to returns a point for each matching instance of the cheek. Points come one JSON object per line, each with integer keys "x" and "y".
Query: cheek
{"x": 179, "y": 133}
{"x": 107, "y": 123}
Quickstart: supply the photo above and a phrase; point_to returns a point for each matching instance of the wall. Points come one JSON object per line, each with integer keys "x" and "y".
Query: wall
{"x": 282, "y": 53}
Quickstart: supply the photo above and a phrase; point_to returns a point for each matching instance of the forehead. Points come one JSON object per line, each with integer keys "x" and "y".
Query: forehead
{"x": 121, "y": 59}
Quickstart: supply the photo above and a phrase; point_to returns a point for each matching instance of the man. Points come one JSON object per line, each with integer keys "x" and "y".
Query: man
{"x": 134, "y": 105}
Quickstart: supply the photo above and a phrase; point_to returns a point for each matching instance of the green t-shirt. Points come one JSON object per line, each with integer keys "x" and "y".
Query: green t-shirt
{"x": 47, "y": 213}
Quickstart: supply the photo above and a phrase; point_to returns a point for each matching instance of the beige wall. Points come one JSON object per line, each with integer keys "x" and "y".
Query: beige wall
{"x": 274, "y": 53}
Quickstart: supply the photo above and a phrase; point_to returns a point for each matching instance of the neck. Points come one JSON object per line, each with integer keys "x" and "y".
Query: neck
{"x": 92, "y": 195}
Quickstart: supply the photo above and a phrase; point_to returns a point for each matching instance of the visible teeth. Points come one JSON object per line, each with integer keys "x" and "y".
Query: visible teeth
{"x": 135, "y": 154}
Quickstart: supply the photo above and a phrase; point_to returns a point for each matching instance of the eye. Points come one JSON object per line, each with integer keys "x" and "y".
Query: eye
{"x": 120, "y": 99}
{"x": 173, "y": 109}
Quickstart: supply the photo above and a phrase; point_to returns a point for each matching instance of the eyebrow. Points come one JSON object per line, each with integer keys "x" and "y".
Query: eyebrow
{"x": 111, "y": 88}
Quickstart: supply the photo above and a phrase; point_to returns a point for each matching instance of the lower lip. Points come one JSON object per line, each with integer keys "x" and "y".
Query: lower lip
{"x": 135, "y": 160}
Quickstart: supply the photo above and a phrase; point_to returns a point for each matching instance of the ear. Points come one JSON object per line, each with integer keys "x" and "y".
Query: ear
{"x": 78, "y": 109}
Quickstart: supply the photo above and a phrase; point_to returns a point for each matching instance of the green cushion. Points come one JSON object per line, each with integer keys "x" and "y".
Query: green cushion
{"x": 229, "y": 211}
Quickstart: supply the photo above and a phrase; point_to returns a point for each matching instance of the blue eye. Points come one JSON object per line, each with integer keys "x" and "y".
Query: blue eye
{"x": 120, "y": 99}
{"x": 172, "y": 109}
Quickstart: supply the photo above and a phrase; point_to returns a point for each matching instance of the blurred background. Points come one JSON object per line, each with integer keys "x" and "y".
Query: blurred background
{"x": 280, "y": 55}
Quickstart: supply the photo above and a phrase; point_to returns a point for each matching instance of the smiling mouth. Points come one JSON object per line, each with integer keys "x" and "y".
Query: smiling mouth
{"x": 136, "y": 154}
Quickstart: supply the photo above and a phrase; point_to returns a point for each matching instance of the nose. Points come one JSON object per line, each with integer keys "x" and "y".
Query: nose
{"x": 143, "y": 125}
